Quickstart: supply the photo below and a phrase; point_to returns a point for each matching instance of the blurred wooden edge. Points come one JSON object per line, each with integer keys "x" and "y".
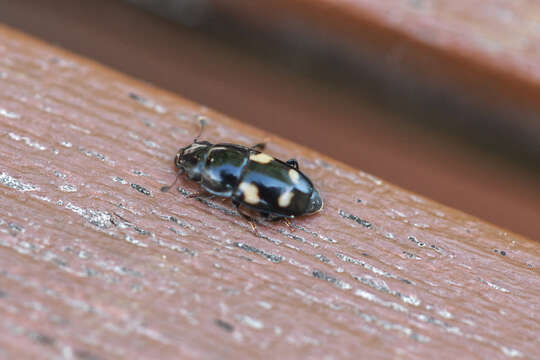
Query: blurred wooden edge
{"x": 484, "y": 75}
{"x": 96, "y": 262}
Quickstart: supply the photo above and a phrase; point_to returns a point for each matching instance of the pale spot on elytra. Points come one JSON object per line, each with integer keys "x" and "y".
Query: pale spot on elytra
{"x": 284, "y": 199}
{"x": 293, "y": 174}
{"x": 261, "y": 158}
{"x": 250, "y": 193}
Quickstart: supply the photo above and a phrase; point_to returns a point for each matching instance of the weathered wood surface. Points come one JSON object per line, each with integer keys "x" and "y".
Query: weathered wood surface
{"x": 282, "y": 102}
{"x": 96, "y": 262}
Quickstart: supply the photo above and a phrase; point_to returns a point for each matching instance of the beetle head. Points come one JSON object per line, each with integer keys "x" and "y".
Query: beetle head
{"x": 315, "y": 203}
{"x": 190, "y": 159}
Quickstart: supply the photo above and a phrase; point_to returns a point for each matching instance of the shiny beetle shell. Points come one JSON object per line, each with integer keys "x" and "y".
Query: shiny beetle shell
{"x": 251, "y": 178}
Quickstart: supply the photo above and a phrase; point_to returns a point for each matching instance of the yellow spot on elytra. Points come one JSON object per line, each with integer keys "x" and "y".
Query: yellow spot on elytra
{"x": 261, "y": 158}
{"x": 294, "y": 175}
{"x": 250, "y": 193}
{"x": 284, "y": 199}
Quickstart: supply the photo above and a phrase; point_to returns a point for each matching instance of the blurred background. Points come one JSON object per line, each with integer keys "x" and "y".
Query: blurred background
{"x": 441, "y": 98}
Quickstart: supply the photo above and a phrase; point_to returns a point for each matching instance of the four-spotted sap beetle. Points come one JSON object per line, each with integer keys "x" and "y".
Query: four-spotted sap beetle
{"x": 275, "y": 189}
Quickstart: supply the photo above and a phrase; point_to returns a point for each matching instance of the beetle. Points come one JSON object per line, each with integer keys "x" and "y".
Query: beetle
{"x": 276, "y": 189}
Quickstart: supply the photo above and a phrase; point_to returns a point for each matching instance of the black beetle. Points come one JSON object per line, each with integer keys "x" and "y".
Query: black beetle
{"x": 276, "y": 189}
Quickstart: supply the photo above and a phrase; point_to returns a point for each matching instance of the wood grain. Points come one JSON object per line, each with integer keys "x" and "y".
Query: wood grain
{"x": 97, "y": 263}
{"x": 280, "y": 101}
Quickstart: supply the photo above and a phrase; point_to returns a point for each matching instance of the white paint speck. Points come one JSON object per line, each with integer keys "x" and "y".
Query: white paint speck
{"x": 411, "y": 299}
{"x": 252, "y": 322}
{"x": 68, "y": 188}
{"x": 494, "y": 286}
{"x": 364, "y": 294}
{"x": 9, "y": 114}
{"x": 134, "y": 241}
{"x": 66, "y": 144}
{"x": 445, "y": 314}
{"x": 511, "y": 352}
{"x": 151, "y": 144}
{"x": 27, "y": 141}
{"x": 78, "y": 128}
{"x": 42, "y": 198}
{"x": 398, "y": 213}
{"x": 264, "y": 305}
{"x": 120, "y": 180}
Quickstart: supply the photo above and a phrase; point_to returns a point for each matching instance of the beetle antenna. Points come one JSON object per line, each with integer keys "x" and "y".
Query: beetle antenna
{"x": 202, "y": 122}
{"x": 166, "y": 188}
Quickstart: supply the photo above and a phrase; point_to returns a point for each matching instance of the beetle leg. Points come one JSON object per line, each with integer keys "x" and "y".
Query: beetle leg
{"x": 166, "y": 188}
{"x": 293, "y": 163}
{"x": 202, "y": 193}
{"x": 288, "y": 223}
{"x": 259, "y": 146}
{"x": 248, "y": 218}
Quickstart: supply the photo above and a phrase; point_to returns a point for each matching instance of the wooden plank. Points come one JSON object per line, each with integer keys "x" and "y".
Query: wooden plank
{"x": 281, "y": 101}
{"x": 96, "y": 262}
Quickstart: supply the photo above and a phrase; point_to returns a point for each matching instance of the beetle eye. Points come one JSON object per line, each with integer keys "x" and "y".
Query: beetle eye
{"x": 193, "y": 160}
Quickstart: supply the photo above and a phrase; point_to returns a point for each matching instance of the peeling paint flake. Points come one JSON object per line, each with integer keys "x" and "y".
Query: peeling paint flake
{"x": 98, "y": 218}
{"x": 141, "y": 189}
{"x": 177, "y": 221}
{"x": 91, "y": 153}
{"x": 371, "y": 268}
{"x": 494, "y": 286}
{"x": 331, "y": 279}
{"x": 68, "y": 188}
{"x": 355, "y": 218}
{"x": 270, "y": 257}
{"x": 13, "y": 183}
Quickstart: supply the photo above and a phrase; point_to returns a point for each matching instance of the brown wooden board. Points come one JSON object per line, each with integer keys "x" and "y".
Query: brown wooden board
{"x": 336, "y": 120}
{"x": 485, "y": 50}
{"x": 97, "y": 263}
